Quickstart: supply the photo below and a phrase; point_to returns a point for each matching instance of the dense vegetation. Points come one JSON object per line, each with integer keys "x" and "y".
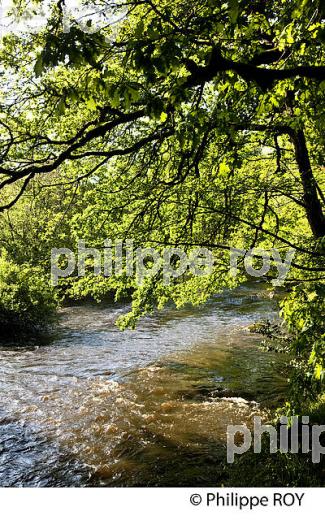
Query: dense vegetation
{"x": 168, "y": 123}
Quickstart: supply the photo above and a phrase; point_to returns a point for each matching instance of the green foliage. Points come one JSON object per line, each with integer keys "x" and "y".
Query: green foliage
{"x": 304, "y": 313}
{"x": 27, "y": 302}
{"x": 176, "y": 125}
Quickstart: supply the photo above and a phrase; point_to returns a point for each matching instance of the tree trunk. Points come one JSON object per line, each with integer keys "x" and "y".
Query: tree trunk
{"x": 314, "y": 210}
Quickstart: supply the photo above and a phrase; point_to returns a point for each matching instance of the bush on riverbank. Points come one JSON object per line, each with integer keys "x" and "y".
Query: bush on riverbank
{"x": 304, "y": 314}
{"x": 27, "y": 301}
{"x": 302, "y": 336}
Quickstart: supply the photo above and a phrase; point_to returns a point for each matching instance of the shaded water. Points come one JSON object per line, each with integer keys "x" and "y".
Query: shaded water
{"x": 97, "y": 406}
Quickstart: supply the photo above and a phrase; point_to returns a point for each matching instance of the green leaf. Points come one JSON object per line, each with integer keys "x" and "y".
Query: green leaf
{"x": 139, "y": 29}
{"x": 134, "y": 94}
{"x": 233, "y": 11}
{"x": 60, "y": 108}
{"x": 163, "y": 117}
{"x": 39, "y": 66}
{"x": 224, "y": 168}
{"x": 91, "y": 104}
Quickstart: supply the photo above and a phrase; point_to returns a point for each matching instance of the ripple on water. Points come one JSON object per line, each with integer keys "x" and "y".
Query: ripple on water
{"x": 143, "y": 407}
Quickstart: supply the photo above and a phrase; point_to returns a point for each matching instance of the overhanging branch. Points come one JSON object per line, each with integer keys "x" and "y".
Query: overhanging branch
{"x": 264, "y": 77}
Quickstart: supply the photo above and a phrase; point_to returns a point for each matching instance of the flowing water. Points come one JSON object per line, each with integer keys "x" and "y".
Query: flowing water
{"x": 97, "y": 406}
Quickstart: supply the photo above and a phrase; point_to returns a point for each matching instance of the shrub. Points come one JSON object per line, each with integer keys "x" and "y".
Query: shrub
{"x": 27, "y": 301}
{"x": 304, "y": 314}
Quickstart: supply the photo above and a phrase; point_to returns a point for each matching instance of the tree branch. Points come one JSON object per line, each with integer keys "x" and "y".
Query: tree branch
{"x": 249, "y": 72}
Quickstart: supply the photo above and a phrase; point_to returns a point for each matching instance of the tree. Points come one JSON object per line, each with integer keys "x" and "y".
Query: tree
{"x": 171, "y": 123}
{"x": 225, "y": 70}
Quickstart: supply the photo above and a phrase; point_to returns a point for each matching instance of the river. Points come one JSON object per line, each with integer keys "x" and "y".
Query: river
{"x": 95, "y": 406}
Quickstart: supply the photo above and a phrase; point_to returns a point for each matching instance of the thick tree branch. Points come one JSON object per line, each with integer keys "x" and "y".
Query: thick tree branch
{"x": 99, "y": 131}
{"x": 249, "y": 72}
